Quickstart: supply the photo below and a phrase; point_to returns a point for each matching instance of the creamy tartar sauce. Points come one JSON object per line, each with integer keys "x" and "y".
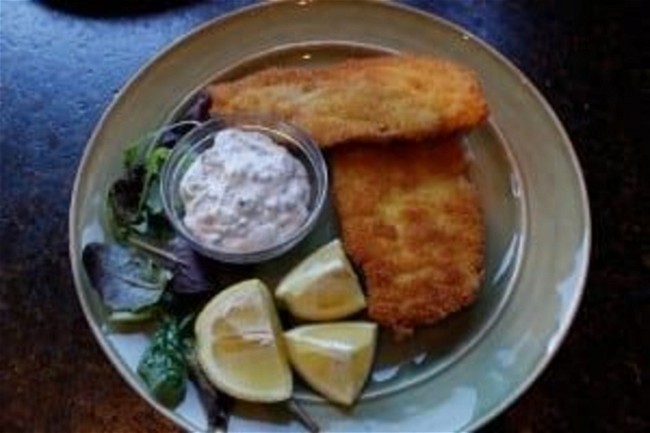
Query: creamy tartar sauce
{"x": 244, "y": 193}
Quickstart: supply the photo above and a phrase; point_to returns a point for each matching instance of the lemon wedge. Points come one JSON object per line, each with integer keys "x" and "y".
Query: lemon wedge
{"x": 334, "y": 358}
{"x": 240, "y": 345}
{"x": 324, "y": 286}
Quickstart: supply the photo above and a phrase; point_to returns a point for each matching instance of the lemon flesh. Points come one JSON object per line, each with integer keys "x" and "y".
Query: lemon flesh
{"x": 333, "y": 358}
{"x": 324, "y": 286}
{"x": 240, "y": 344}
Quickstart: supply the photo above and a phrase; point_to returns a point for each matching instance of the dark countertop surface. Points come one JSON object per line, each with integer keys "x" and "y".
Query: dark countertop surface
{"x": 61, "y": 62}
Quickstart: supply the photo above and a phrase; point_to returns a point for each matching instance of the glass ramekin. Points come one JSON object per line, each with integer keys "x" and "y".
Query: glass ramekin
{"x": 190, "y": 146}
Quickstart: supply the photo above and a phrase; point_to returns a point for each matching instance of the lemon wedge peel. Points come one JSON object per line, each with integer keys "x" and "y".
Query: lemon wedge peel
{"x": 240, "y": 345}
{"x": 322, "y": 287}
{"x": 335, "y": 359}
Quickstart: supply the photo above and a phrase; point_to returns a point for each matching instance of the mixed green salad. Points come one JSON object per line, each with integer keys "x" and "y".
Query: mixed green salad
{"x": 147, "y": 274}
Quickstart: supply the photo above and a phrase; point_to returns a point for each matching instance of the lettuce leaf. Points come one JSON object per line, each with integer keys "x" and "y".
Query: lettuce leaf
{"x": 126, "y": 279}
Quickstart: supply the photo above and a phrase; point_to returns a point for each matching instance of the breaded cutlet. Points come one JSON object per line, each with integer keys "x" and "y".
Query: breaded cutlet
{"x": 411, "y": 220}
{"x": 370, "y": 100}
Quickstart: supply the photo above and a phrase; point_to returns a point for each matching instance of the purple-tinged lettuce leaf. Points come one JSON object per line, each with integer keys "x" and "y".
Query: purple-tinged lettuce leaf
{"x": 194, "y": 273}
{"x": 126, "y": 279}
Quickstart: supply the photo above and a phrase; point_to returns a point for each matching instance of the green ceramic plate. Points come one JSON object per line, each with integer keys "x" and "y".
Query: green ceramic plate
{"x": 455, "y": 376}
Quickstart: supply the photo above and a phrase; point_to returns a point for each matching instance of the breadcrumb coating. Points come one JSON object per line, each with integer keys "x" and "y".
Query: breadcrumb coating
{"x": 370, "y": 100}
{"x": 411, "y": 220}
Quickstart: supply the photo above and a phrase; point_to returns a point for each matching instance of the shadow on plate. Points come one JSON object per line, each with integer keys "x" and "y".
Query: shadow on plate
{"x": 115, "y": 8}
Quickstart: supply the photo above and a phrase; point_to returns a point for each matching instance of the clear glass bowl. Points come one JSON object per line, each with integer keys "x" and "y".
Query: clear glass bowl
{"x": 190, "y": 146}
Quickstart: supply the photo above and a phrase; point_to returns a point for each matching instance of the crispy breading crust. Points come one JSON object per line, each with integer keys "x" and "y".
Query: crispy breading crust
{"x": 411, "y": 220}
{"x": 378, "y": 99}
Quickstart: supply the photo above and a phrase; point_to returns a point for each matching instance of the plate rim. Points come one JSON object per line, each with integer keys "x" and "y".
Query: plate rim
{"x": 168, "y": 50}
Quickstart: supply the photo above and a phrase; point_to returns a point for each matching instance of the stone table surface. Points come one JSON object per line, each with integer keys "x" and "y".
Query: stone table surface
{"x": 61, "y": 63}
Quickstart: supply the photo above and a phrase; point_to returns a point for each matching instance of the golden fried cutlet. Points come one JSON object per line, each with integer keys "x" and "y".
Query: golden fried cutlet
{"x": 411, "y": 220}
{"x": 374, "y": 99}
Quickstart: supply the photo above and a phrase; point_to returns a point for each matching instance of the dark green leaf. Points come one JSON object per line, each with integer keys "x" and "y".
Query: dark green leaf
{"x": 163, "y": 365}
{"x": 134, "y": 199}
{"x": 125, "y": 195}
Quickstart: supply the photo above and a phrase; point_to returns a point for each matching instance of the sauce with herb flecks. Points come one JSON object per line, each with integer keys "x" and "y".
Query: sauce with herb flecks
{"x": 244, "y": 193}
